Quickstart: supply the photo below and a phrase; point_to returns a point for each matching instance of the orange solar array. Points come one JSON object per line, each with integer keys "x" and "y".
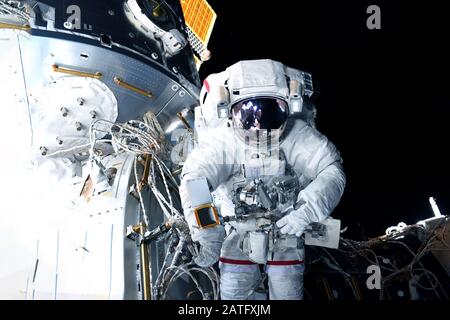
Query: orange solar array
{"x": 200, "y": 18}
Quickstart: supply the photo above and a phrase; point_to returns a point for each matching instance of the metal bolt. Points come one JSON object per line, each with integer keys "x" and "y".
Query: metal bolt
{"x": 175, "y": 69}
{"x": 80, "y": 101}
{"x": 111, "y": 12}
{"x": 78, "y": 126}
{"x": 132, "y": 35}
{"x": 205, "y": 55}
{"x": 93, "y": 114}
{"x": 43, "y": 150}
{"x": 64, "y": 111}
{"x": 58, "y": 139}
{"x": 174, "y": 87}
{"x": 68, "y": 25}
{"x": 154, "y": 55}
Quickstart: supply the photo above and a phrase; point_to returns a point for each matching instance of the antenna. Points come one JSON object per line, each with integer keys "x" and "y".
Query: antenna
{"x": 434, "y": 206}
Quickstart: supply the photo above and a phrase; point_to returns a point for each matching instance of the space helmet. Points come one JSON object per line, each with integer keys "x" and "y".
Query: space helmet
{"x": 257, "y": 97}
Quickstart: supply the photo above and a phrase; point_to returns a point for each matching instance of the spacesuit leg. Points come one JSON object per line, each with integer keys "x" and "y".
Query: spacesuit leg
{"x": 238, "y": 275}
{"x": 285, "y": 273}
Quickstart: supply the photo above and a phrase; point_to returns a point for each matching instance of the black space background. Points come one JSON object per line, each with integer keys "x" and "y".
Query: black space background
{"x": 384, "y": 94}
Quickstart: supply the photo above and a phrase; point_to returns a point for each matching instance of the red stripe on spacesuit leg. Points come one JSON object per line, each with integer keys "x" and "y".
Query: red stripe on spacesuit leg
{"x": 284, "y": 263}
{"x": 271, "y": 263}
{"x": 232, "y": 261}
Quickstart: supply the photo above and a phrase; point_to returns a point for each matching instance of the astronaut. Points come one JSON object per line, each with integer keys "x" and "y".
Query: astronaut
{"x": 259, "y": 176}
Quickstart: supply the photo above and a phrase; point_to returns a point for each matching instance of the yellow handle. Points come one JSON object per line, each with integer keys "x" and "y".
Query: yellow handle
{"x": 97, "y": 75}
{"x": 15, "y": 26}
{"x": 128, "y": 86}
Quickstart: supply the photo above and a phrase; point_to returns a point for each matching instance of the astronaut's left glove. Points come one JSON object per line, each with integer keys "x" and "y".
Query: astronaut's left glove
{"x": 293, "y": 223}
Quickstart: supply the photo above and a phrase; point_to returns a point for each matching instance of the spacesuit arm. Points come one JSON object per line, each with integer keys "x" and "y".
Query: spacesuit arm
{"x": 322, "y": 195}
{"x": 202, "y": 162}
{"x": 318, "y": 160}
{"x": 206, "y": 160}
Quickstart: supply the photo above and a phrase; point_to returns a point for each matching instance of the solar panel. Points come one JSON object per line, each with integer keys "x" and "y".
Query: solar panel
{"x": 200, "y": 19}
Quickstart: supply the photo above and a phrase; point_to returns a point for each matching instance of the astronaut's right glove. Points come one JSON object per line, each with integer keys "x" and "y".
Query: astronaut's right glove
{"x": 210, "y": 241}
{"x": 293, "y": 223}
{"x": 203, "y": 219}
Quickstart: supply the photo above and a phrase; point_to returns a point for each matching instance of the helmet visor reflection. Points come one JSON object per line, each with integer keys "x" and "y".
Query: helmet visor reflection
{"x": 260, "y": 113}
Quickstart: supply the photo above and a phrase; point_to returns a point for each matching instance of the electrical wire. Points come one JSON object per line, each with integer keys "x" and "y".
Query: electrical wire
{"x": 180, "y": 271}
{"x": 146, "y": 138}
{"x": 341, "y": 271}
{"x": 14, "y": 8}
{"x": 76, "y": 149}
{"x": 141, "y": 138}
{"x": 138, "y": 189}
{"x": 362, "y": 247}
{"x": 186, "y": 269}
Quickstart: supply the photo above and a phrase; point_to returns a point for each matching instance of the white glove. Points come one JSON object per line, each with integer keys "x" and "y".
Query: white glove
{"x": 293, "y": 223}
{"x": 210, "y": 241}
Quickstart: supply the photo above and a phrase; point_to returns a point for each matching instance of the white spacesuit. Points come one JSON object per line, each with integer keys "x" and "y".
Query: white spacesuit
{"x": 270, "y": 176}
